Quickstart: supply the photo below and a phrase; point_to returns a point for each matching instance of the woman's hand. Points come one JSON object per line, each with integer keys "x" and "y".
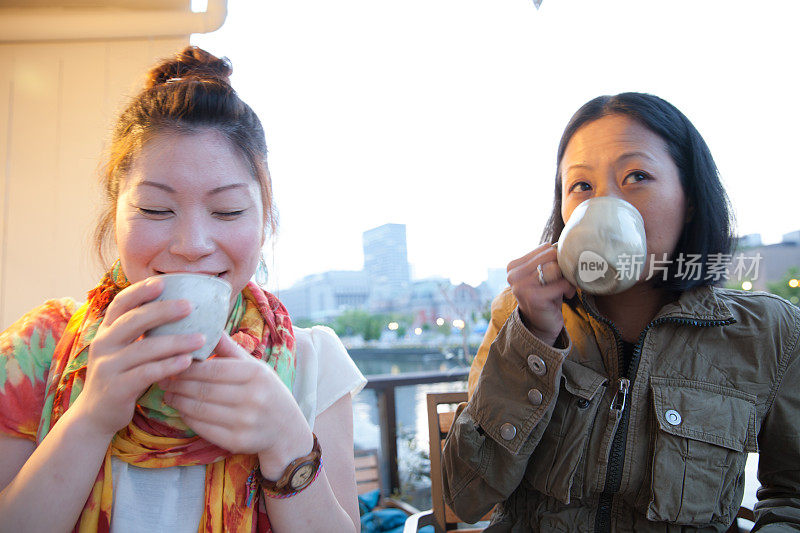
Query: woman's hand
{"x": 122, "y": 363}
{"x": 540, "y": 305}
{"x": 240, "y": 404}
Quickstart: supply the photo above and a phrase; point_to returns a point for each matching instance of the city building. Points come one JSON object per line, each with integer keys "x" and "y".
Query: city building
{"x": 323, "y": 296}
{"x": 773, "y": 260}
{"x": 386, "y": 264}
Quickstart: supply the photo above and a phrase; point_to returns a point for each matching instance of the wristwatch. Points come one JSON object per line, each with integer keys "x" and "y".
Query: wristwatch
{"x": 297, "y": 476}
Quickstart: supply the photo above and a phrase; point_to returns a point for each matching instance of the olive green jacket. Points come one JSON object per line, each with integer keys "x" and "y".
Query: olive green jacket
{"x": 563, "y": 443}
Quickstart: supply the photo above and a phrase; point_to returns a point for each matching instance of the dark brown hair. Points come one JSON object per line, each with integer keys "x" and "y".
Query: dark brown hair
{"x": 183, "y": 95}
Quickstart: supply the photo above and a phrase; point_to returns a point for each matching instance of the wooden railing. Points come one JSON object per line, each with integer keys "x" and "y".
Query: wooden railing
{"x": 384, "y": 386}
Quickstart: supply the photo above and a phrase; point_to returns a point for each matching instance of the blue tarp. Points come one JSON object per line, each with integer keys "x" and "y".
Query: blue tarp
{"x": 381, "y": 520}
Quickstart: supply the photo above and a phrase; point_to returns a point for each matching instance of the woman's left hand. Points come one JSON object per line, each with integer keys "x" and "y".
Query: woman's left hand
{"x": 236, "y": 402}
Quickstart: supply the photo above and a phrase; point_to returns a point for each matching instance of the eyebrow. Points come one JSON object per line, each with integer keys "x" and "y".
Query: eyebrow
{"x": 626, "y": 155}
{"x": 170, "y": 190}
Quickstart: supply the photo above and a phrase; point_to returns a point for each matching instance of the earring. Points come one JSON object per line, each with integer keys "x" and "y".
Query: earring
{"x": 262, "y": 274}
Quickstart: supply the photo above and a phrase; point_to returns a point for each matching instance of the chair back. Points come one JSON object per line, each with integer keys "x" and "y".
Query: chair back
{"x": 439, "y": 423}
{"x": 368, "y": 472}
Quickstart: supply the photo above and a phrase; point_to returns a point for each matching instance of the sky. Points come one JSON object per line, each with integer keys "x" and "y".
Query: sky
{"x": 445, "y": 115}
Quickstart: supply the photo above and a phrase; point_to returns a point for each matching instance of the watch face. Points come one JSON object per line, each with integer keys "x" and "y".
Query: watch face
{"x": 302, "y": 475}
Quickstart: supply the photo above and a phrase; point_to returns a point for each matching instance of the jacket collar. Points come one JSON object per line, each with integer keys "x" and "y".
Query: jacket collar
{"x": 699, "y": 303}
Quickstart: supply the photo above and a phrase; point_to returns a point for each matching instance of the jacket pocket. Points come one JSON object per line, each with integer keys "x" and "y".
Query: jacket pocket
{"x": 555, "y": 468}
{"x": 703, "y": 434}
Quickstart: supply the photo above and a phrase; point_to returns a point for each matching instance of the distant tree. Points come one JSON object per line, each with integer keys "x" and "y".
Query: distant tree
{"x": 783, "y": 288}
{"x": 303, "y": 323}
{"x": 404, "y": 321}
{"x": 374, "y": 327}
{"x": 360, "y": 322}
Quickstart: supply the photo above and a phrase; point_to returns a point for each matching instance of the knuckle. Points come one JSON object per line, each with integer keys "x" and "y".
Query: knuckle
{"x": 249, "y": 418}
{"x": 261, "y": 396}
{"x": 195, "y": 408}
{"x": 204, "y": 391}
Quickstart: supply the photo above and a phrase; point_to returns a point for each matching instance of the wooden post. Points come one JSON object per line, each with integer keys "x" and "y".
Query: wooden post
{"x": 388, "y": 416}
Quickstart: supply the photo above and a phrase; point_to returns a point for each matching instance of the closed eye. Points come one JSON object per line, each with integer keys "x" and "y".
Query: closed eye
{"x": 154, "y": 212}
{"x": 228, "y": 215}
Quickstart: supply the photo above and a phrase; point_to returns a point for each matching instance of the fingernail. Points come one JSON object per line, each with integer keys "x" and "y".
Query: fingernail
{"x": 198, "y": 339}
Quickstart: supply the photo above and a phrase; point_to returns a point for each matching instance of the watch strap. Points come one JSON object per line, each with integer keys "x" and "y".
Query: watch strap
{"x": 283, "y": 487}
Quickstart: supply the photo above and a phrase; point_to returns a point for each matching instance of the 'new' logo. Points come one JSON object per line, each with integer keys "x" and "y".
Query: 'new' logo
{"x": 591, "y": 266}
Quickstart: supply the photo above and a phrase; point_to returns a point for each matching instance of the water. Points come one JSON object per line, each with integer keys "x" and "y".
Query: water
{"x": 412, "y": 417}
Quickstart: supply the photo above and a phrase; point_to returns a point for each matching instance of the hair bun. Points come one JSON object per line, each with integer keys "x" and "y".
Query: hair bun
{"x": 192, "y": 62}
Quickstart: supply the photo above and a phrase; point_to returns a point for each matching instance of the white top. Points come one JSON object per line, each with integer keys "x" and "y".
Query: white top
{"x": 171, "y": 499}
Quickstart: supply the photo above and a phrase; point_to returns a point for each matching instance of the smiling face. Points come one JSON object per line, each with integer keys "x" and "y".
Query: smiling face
{"x": 190, "y": 204}
{"x": 617, "y": 156}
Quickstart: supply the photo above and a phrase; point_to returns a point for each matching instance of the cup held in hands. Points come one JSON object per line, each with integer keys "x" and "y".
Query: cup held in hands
{"x": 603, "y": 246}
{"x": 209, "y": 297}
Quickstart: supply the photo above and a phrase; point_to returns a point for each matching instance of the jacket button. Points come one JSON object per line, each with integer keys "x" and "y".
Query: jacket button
{"x": 536, "y": 365}
{"x": 535, "y": 396}
{"x": 673, "y": 417}
{"x": 583, "y": 403}
{"x": 508, "y": 431}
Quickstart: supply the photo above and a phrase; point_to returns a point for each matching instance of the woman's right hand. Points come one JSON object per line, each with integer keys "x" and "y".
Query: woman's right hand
{"x": 540, "y": 305}
{"x": 122, "y": 363}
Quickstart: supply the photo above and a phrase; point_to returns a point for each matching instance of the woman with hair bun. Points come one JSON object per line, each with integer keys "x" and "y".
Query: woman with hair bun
{"x": 629, "y": 403}
{"x": 103, "y": 428}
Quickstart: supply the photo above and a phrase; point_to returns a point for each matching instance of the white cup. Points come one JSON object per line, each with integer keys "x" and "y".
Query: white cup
{"x": 210, "y": 299}
{"x": 603, "y": 246}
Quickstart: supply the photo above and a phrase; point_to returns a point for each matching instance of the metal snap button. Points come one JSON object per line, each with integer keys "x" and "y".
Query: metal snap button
{"x": 673, "y": 417}
{"x": 583, "y": 403}
{"x": 535, "y": 396}
{"x": 536, "y": 365}
{"x": 508, "y": 431}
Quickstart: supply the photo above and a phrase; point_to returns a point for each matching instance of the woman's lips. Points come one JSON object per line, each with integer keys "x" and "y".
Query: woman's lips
{"x": 215, "y": 274}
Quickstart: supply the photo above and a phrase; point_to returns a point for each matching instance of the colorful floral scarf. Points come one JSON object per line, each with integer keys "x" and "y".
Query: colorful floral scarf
{"x": 156, "y": 437}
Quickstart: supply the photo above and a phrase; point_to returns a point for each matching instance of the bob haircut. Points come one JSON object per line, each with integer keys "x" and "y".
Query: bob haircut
{"x": 709, "y": 230}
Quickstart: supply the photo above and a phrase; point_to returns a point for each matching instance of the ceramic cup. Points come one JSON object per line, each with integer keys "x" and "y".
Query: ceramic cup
{"x": 210, "y": 299}
{"x": 603, "y": 246}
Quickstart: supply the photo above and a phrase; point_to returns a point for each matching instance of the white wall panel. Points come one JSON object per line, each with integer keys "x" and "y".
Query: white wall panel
{"x": 57, "y": 106}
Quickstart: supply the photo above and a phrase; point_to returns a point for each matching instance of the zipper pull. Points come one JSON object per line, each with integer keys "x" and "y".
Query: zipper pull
{"x": 624, "y": 386}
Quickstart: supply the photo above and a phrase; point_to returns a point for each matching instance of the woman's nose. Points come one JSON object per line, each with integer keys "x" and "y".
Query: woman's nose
{"x": 608, "y": 187}
{"x": 192, "y": 240}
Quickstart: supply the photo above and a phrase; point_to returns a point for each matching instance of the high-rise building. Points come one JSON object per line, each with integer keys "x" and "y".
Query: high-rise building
{"x": 386, "y": 262}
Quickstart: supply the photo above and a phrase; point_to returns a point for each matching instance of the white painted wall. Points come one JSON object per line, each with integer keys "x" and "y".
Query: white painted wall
{"x": 58, "y": 102}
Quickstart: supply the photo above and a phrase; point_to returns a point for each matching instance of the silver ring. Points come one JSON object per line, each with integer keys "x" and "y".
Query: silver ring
{"x": 542, "y": 282}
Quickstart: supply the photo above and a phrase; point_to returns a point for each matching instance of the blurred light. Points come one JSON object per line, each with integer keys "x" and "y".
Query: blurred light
{"x": 458, "y": 323}
{"x": 393, "y": 326}
{"x": 793, "y": 283}
{"x": 440, "y": 321}
{"x": 794, "y": 299}
{"x": 417, "y": 331}
{"x": 747, "y": 285}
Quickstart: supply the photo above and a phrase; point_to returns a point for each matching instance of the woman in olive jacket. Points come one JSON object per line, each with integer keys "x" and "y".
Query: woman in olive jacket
{"x": 633, "y": 411}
